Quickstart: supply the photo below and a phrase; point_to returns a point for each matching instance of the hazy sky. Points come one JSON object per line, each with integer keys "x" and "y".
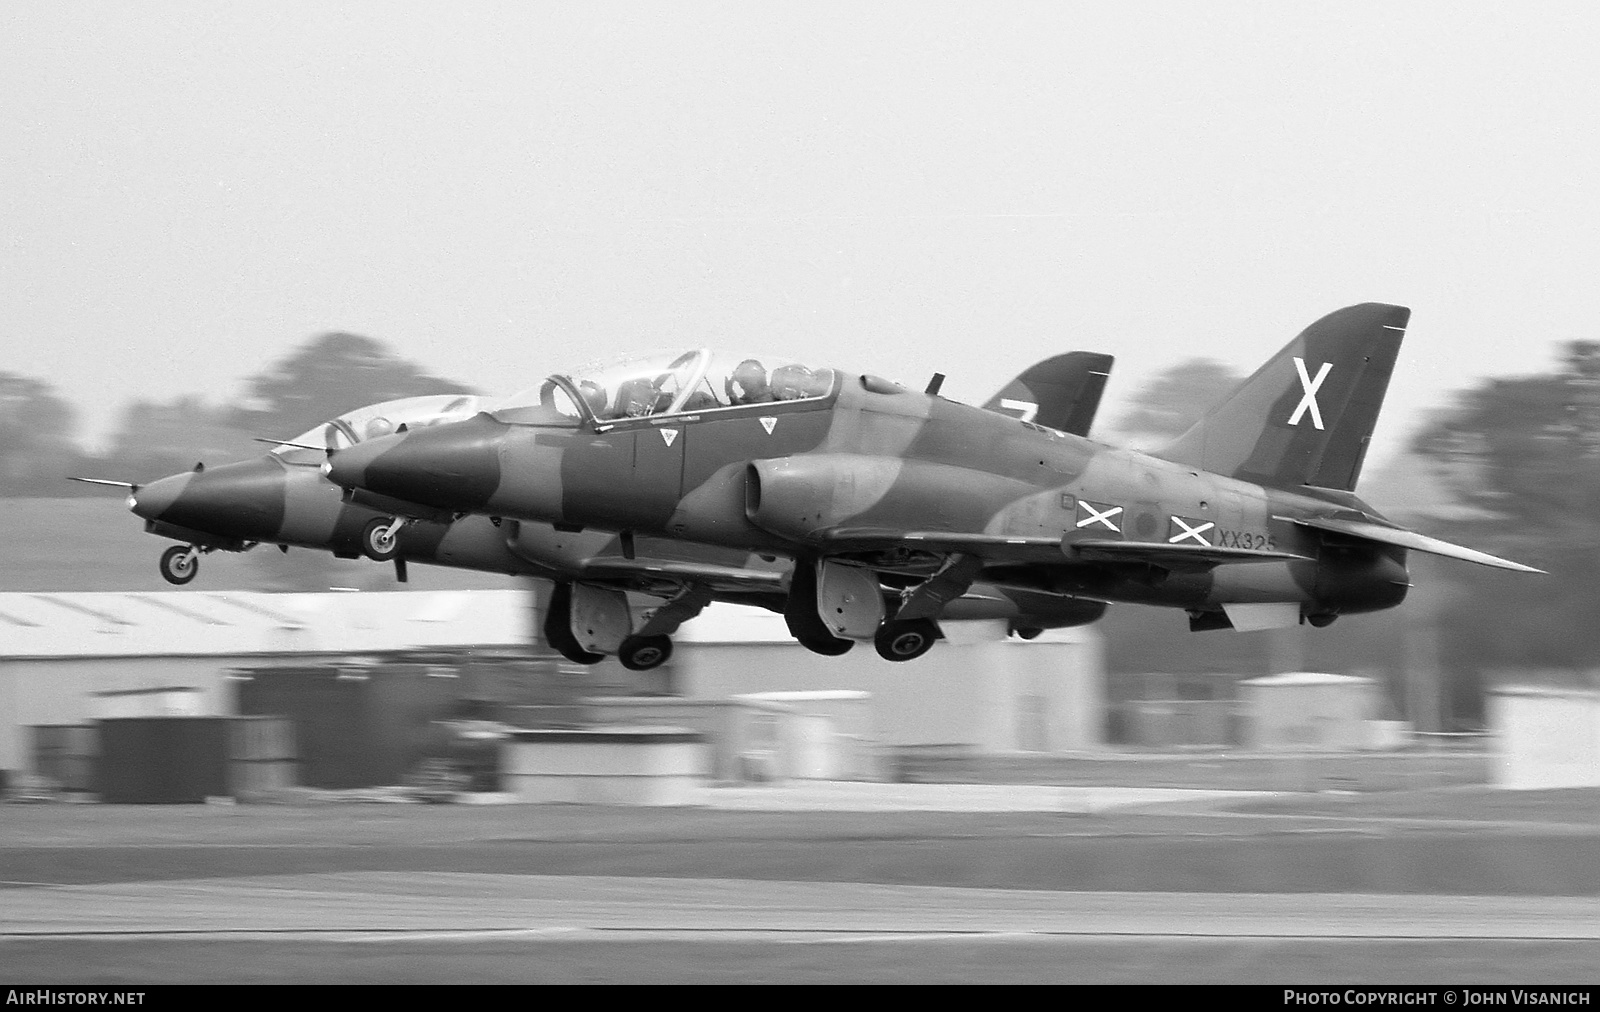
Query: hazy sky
{"x": 189, "y": 191}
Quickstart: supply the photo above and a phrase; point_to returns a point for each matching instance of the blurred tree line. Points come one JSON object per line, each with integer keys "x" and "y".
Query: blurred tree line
{"x": 325, "y": 377}
{"x": 1519, "y": 461}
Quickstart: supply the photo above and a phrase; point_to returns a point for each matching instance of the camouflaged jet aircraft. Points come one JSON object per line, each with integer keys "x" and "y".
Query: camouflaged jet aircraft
{"x": 283, "y": 499}
{"x": 1247, "y": 521}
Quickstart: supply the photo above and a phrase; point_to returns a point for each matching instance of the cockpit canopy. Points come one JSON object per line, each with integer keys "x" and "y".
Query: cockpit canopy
{"x": 376, "y": 420}
{"x": 672, "y": 382}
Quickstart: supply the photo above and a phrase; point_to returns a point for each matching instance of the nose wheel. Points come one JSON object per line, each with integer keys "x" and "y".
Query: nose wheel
{"x": 180, "y": 564}
{"x": 380, "y": 539}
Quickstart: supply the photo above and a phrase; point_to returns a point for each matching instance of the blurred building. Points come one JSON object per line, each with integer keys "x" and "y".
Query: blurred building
{"x": 68, "y": 659}
{"x": 977, "y": 690}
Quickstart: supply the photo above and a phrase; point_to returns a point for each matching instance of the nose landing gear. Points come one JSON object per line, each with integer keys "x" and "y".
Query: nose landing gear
{"x": 180, "y": 563}
{"x": 380, "y": 539}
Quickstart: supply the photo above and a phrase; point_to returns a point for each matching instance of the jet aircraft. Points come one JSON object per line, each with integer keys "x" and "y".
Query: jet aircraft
{"x": 1247, "y": 521}
{"x": 282, "y": 498}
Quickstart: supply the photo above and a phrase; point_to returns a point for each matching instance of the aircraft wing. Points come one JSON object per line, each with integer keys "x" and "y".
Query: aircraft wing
{"x": 1406, "y": 539}
{"x": 1000, "y": 548}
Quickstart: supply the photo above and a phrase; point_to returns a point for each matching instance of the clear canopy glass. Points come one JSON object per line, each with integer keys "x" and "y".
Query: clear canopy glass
{"x": 676, "y": 382}
{"x": 383, "y": 419}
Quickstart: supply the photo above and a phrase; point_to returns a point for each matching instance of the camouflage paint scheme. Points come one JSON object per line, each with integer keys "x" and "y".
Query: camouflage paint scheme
{"x": 1249, "y": 520}
{"x": 282, "y": 498}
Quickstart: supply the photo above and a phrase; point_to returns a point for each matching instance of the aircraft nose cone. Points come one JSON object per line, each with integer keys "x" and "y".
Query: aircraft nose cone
{"x": 452, "y": 467}
{"x": 243, "y": 500}
{"x": 152, "y": 500}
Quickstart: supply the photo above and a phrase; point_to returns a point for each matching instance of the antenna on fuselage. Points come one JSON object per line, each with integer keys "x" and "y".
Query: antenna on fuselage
{"x": 934, "y": 384}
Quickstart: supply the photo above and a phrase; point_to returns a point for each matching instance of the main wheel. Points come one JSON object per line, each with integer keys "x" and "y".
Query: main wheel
{"x": 829, "y": 646}
{"x": 558, "y": 628}
{"x": 906, "y": 640}
{"x": 380, "y": 541}
{"x": 180, "y": 564}
{"x": 641, "y": 653}
{"x": 800, "y": 614}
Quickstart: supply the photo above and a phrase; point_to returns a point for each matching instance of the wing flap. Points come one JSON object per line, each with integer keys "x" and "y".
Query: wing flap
{"x": 618, "y": 571}
{"x": 1169, "y": 556}
{"x": 989, "y": 547}
{"x": 1002, "y": 548}
{"x": 1402, "y": 538}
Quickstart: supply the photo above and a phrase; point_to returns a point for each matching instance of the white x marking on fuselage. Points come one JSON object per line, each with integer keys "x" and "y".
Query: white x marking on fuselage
{"x": 1196, "y": 533}
{"x": 1309, "y": 401}
{"x": 1098, "y": 517}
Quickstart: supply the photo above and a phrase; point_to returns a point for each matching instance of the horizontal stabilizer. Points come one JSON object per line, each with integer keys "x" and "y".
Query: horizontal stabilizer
{"x": 1407, "y": 539}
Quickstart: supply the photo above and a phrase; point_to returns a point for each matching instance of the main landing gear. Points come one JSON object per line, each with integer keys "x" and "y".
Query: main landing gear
{"x": 586, "y": 624}
{"x": 641, "y": 653}
{"x": 558, "y": 628}
{"x": 801, "y": 613}
{"x": 906, "y": 639}
{"x": 849, "y": 600}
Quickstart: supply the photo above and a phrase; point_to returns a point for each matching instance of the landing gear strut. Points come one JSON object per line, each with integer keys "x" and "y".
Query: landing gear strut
{"x": 180, "y": 563}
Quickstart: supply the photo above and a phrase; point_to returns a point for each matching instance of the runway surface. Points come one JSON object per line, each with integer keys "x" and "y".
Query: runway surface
{"x": 1042, "y": 885}
{"x": 370, "y": 905}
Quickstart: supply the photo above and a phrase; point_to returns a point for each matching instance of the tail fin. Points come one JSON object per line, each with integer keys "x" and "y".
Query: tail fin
{"x": 1305, "y": 417}
{"x": 1061, "y": 393}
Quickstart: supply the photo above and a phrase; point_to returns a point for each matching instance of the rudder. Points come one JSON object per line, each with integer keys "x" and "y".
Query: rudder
{"x": 1306, "y": 417}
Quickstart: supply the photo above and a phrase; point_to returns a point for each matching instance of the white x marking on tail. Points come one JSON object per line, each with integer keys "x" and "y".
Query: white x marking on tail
{"x": 1196, "y": 533}
{"x": 1309, "y": 401}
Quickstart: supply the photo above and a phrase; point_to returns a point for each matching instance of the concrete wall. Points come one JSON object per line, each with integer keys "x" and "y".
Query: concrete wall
{"x": 1309, "y": 711}
{"x": 64, "y": 691}
{"x": 1545, "y": 738}
{"x": 1046, "y": 695}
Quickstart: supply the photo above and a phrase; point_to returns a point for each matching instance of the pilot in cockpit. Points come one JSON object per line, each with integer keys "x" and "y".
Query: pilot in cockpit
{"x": 636, "y": 398}
{"x": 594, "y": 395}
{"x": 748, "y": 384}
